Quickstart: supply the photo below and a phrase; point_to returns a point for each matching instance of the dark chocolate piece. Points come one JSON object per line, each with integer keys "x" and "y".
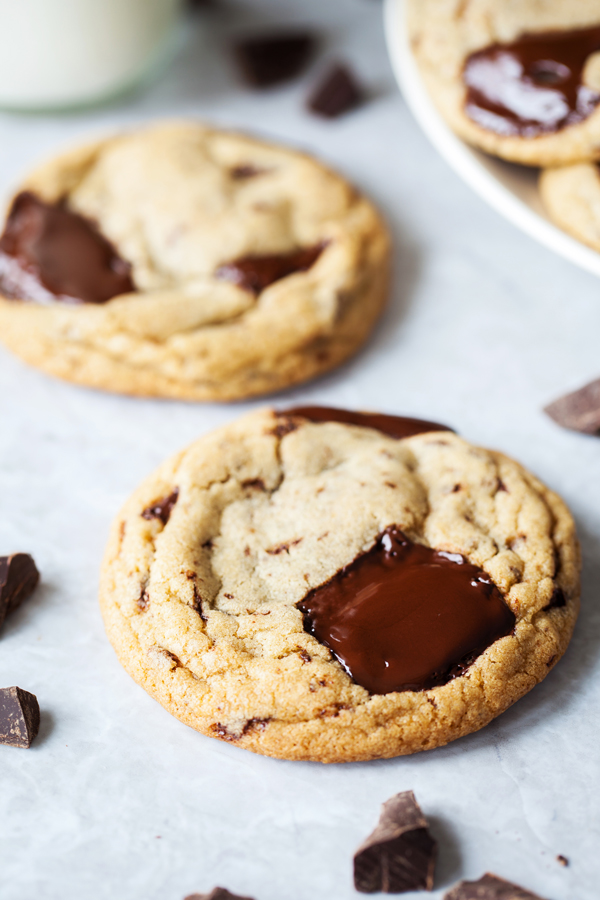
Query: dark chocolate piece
{"x": 489, "y": 887}
{"x": 562, "y": 860}
{"x": 49, "y": 253}
{"x": 18, "y": 579}
{"x": 394, "y": 426}
{"x": 274, "y": 58}
{"x": 217, "y": 893}
{"x": 243, "y": 172}
{"x": 19, "y": 717}
{"x": 580, "y": 410}
{"x": 532, "y": 86}
{"x": 400, "y": 854}
{"x": 255, "y": 273}
{"x": 163, "y": 508}
{"x": 337, "y": 93}
{"x": 404, "y": 617}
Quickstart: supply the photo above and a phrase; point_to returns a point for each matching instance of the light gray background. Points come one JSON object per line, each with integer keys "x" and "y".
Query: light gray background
{"x": 116, "y": 799}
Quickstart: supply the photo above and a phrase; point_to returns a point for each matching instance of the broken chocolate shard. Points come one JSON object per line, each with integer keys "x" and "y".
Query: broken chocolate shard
{"x": 267, "y": 60}
{"x": 489, "y": 887}
{"x": 255, "y": 273}
{"x": 162, "y": 509}
{"x": 49, "y": 253}
{"x": 406, "y": 617}
{"x": 579, "y": 410}
{"x": 395, "y": 426}
{"x": 19, "y": 717}
{"x": 18, "y": 579}
{"x": 217, "y": 893}
{"x": 400, "y": 854}
{"x": 337, "y": 93}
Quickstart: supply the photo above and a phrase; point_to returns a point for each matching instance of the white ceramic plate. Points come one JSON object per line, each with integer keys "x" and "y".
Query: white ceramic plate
{"x": 508, "y": 188}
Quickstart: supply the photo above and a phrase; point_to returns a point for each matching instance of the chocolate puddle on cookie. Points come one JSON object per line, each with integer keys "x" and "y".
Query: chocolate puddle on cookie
{"x": 395, "y": 426}
{"x": 255, "y": 273}
{"x": 532, "y": 86}
{"x": 404, "y": 617}
{"x": 49, "y": 253}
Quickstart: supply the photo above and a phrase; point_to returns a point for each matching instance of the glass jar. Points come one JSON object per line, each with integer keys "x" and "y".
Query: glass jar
{"x": 65, "y": 53}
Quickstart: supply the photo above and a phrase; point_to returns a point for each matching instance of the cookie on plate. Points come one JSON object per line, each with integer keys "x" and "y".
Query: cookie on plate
{"x": 517, "y": 78}
{"x": 182, "y": 261}
{"x": 571, "y": 195}
{"x": 323, "y": 585}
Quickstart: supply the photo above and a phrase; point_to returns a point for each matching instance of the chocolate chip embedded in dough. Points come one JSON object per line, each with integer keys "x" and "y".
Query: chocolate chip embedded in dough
{"x": 489, "y": 887}
{"x": 162, "y": 509}
{"x": 19, "y": 717}
{"x": 255, "y": 273}
{"x": 400, "y": 854}
{"x": 49, "y": 253}
{"x": 18, "y": 579}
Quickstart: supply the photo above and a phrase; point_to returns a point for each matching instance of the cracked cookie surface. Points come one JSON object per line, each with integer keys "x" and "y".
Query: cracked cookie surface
{"x": 181, "y": 203}
{"x": 444, "y": 34}
{"x": 209, "y": 557}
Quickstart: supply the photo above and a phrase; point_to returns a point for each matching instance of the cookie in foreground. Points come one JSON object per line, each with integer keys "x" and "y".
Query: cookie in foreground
{"x": 323, "y": 585}
{"x": 519, "y": 80}
{"x": 182, "y": 261}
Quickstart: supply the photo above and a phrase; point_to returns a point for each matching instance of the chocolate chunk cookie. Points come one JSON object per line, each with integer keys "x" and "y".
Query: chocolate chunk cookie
{"x": 324, "y": 585}
{"x": 520, "y": 80}
{"x": 571, "y": 195}
{"x": 181, "y": 261}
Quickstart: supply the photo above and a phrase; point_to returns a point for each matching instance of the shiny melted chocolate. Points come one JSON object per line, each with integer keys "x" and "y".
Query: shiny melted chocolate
{"x": 532, "y": 86}
{"x": 404, "y": 617}
{"x": 49, "y": 253}
{"x": 255, "y": 273}
{"x": 394, "y": 426}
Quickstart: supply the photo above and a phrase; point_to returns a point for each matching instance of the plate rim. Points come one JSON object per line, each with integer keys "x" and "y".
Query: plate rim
{"x": 462, "y": 158}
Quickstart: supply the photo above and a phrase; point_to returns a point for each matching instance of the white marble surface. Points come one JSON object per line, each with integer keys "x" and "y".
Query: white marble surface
{"x": 116, "y": 799}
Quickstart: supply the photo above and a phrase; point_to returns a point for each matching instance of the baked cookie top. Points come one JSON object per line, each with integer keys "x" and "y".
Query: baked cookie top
{"x": 571, "y": 195}
{"x": 518, "y": 78}
{"x": 222, "y": 266}
{"x": 240, "y": 578}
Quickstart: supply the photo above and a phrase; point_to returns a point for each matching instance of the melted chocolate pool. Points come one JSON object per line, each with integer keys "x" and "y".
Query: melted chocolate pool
{"x": 49, "y": 253}
{"x": 532, "y": 86}
{"x": 404, "y": 617}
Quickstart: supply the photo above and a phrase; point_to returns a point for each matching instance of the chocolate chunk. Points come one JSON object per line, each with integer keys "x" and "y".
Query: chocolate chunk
{"x": 405, "y": 617}
{"x": 489, "y": 887}
{"x": 162, "y": 509}
{"x": 337, "y": 93}
{"x": 49, "y": 253}
{"x": 557, "y": 600}
{"x": 532, "y": 86}
{"x": 562, "y": 860}
{"x": 400, "y": 854}
{"x": 273, "y": 58}
{"x": 217, "y": 893}
{"x": 255, "y": 273}
{"x": 18, "y": 579}
{"x": 580, "y": 410}
{"x": 19, "y": 717}
{"x": 394, "y": 426}
{"x": 243, "y": 172}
